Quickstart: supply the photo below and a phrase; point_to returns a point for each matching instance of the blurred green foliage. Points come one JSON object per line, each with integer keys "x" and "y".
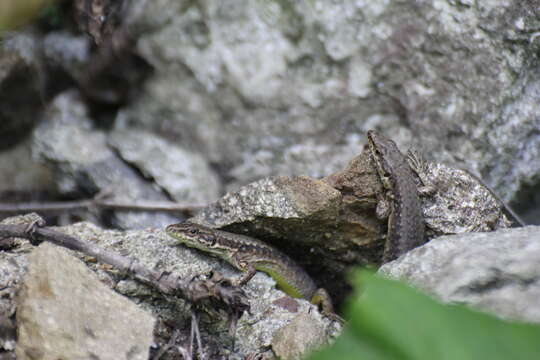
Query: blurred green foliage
{"x": 15, "y": 13}
{"x": 52, "y": 15}
{"x": 390, "y": 320}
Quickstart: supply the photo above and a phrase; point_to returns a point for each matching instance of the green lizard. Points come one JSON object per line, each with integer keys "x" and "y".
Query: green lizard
{"x": 249, "y": 255}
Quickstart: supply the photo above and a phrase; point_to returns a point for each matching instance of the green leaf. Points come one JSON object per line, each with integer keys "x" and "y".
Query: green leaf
{"x": 390, "y": 320}
{"x": 15, "y": 13}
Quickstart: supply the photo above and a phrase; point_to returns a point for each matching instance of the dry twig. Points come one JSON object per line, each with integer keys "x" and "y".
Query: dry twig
{"x": 60, "y": 207}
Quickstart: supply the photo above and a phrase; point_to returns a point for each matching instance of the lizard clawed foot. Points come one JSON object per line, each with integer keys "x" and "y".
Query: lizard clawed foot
{"x": 335, "y": 317}
{"x": 321, "y": 299}
{"x": 419, "y": 166}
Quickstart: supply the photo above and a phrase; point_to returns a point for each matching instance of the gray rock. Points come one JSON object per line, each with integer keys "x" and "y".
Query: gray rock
{"x": 514, "y": 147}
{"x": 21, "y": 87}
{"x": 64, "y": 311}
{"x": 271, "y": 309}
{"x": 82, "y": 162}
{"x": 67, "y": 51}
{"x": 13, "y": 266}
{"x": 35, "y": 176}
{"x": 290, "y": 341}
{"x": 289, "y": 87}
{"x": 230, "y": 73}
{"x": 279, "y": 197}
{"x": 496, "y": 271}
{"x": 184, "y": 175}
{"x": 460, "y": 203}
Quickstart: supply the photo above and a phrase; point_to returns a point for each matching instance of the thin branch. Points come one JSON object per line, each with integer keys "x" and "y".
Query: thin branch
{"x": 70, "y": 206}
{"x": 195, "y": 332}
{"x": 172, "y": 341}
{"x": 44, "y": 207}
{"x": 149, "y": 206}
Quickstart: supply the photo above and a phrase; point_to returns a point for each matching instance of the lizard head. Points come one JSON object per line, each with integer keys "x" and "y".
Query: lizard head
{"x": 383, "y": 152}
{"x": 196, "y": 236}
{"x": 380, "y": 145}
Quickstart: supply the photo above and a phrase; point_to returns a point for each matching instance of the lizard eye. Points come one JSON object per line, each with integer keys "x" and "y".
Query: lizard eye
{"x": 209, "y": 240}
{"x": 194, "y": 231}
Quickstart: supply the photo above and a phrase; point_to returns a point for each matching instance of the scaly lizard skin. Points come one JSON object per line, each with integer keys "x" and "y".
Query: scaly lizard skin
{"x": 249, "y": 255}
{"x": 405, "y": 220}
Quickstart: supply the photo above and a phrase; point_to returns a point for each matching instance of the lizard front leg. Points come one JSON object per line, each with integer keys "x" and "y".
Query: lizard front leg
{"x": 245, "y": 266}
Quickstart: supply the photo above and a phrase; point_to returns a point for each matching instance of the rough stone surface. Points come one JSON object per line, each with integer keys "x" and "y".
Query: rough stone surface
{"x": 277, "y": 87}
{"x": 13, "y": 264}
{"x": 67, "y": 51}
{"x": 459, "y": 203}
{"x": 184, "y": 175}
{"x": 84, "y": 165}
{"x": 278, "y": 197}
{"x": 496, "y": 271}
{"x": 155, "y": 249}
{"x": 290, "y": 343}
{"x": 64, "y": 311}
